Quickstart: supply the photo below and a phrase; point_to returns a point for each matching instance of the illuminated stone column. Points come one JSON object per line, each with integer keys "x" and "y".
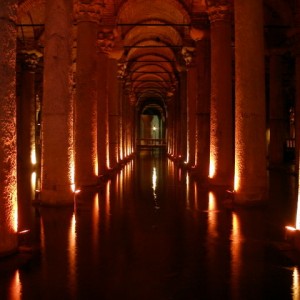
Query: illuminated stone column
{"x": 113, "y": 112}
{"x": 8, "y": 153}
{"x": 221, "y": 113}
{"x": 297, "y": 82}
{"x": 105, "y": 42}
{"x": 182, "y": 128}
{"x": 26, "y": 112}
{"x": 26, "y": 128}
{"x": 189, "y": 56}
{"x": 57, "y": 119}
{"x": 203, "y": 109}
{"x": 278, "y": 121}
{"x": 88, "y": 18}
{"x": 250, "y": 182}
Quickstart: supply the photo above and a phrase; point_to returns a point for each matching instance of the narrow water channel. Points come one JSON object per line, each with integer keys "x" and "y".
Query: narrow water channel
{"x": 153, "y": 232}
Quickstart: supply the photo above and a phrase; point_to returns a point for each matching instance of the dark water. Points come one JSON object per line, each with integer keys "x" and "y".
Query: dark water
{"x": 154, "y": 233}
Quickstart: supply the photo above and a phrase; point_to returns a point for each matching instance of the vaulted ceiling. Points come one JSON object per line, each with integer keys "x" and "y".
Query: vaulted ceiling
{"x": 152, "y": 34}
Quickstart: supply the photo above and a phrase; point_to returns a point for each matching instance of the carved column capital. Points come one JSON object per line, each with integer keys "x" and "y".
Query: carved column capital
{"x": 88, "y": 12}
{"x": 106, "y": 40}
{"x": 121, "y": 70}
{"x": 30, "y": 60}
{"x": 188, "y": 54}
{"x": 219, "y": 11}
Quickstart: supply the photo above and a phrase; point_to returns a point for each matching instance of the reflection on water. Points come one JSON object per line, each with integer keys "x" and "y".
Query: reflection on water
{"x": 117, "y": 244}
{"x": 15, "y": 287}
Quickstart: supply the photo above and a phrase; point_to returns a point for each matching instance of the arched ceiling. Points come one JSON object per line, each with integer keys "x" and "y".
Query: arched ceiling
{"x": 152, "y": 34}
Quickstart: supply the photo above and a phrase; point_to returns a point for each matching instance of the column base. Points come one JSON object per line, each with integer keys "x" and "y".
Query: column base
{"x": 58, "y": 197}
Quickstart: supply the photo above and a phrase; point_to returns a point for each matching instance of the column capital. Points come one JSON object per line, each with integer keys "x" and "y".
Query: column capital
{"x": 88, "y": 12}
{"x": 121, "y": 70}
{"x": 219, "y": 11}
{"x": 30, "y": 59}
{"x": 188, "y": 54}
{"x": 106, "y": 40}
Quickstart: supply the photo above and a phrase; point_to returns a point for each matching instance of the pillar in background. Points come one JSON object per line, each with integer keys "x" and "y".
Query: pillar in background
{"x": 182, "y": 125}
{"x": 250, "y": 182}
{"x": 57, "y": 120}
{"x": 113, "y": 112}
{"x": 221, "y": 113}
{"x": 189, "y": 57}
{"x": 26, "y": 128}
{"x": 86, "y": 170}
{"x": 8, "y": 150}
{"x": 105, "y": 43}
{"x": 297, "y": 82}
{"x": 278, "y": 121}
{"x": 203, "y": 108}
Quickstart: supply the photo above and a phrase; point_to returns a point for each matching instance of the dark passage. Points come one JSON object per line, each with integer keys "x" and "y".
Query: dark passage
{"x": 154, "y": 233}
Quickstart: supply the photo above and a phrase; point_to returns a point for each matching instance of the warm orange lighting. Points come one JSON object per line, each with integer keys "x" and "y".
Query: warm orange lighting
{"x": 24, "y": 231}
{"x": 187, "y": 191}
{"x": 290, "y": 228}
{"x": 15, "y": 290}
{"x": 212, "y": 215}
{"x": 72, "y": 253}
{"x": 212, "y": 168}
{"x": 236, "y": 182}
{"x": 236, "y": 244}
{"x": 96, "y": 224}
{"x": 295, "y": 287}
{"x": 107, "y": 203}
{"x": 77, "y": 191}
{"x": 33, "y": 156}
{"x": 33, "y": 184}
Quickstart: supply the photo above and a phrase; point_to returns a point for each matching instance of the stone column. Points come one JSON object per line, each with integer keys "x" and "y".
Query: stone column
{"x": 86, "y": 170}
{"x": 297, "y": 83}
{"x": 8, "y": 151}
{"x": 105, "y": 43}
{"x": 183, "y": 116}
{"x": 278, "y": 121}
{"x": 189, "y": 56}
{"x": 203, "y": 109}
{"x": 57, "y": 119}
{"x": 250, "y": 182}
{"x": 26, "y": 128}
{"x": 221, "y": 112}
{"x": 113, "y": 112}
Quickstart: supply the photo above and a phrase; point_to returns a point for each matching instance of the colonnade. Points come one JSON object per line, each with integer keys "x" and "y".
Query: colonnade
{"x": 216, "y": 121}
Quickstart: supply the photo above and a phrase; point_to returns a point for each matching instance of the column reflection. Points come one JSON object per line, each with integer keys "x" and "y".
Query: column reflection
{"x": 72, "y": 251}
{"x": 236, "y": 247}
{"x": 296, "y": 287}
{"x": 15, "y": 291}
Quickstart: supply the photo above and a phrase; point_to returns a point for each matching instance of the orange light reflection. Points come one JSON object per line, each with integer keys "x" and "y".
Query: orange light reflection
{"x": 15, "y": 289}
{"x": 72, "y": 253}
{"x": 295, "y": 287}
{"x": 212, "y": 215}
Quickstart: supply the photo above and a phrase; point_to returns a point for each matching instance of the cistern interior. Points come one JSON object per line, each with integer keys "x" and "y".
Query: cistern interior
{"x": 149, "y": 149}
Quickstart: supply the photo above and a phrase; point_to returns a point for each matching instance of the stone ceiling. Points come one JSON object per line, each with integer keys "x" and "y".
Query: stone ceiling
{"x": 152, "y": 36}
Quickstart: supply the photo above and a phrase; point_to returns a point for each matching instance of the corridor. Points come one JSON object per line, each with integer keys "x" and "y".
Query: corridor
{"x": 153, "y": 232}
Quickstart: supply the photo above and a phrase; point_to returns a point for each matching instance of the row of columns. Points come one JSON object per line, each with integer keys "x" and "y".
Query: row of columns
{"x": 80, "y": 130}
{"x": 237, "y": 142}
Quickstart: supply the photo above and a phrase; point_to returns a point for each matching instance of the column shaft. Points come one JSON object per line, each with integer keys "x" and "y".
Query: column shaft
{"x": 86, "y": 101}
{"x": 203, "y": 109}
{"x": 8, "y": 153}
{"x": 221, "y": 113}
{"x": 57, "y": 119}
{"x": 113, "y": 112}
{"x": 278, "y": 122}
{"x": 250, "y": 134}
{"x": 102, "y": 115}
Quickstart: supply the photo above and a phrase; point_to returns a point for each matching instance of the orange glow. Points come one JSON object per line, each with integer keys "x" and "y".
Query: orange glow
{"x": 95, "y": 219}
{"x": 15, "y": 211}
{"x": 236, "y": 243}
{"x": 15, "y": 289}
{"x": 295, "y": 287}
{"x": 290, "y": 228}
{"x": 196, "y": 195}
{"x": 212, "y": 167}
{"x": 107, "y": 203}
{"x": 72, "y": 252}
{"x": 96, "y": 165}
{"x": 236, "y": 181}
{"x": 212, "y": 215}
{"x": 33, "y": 155}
